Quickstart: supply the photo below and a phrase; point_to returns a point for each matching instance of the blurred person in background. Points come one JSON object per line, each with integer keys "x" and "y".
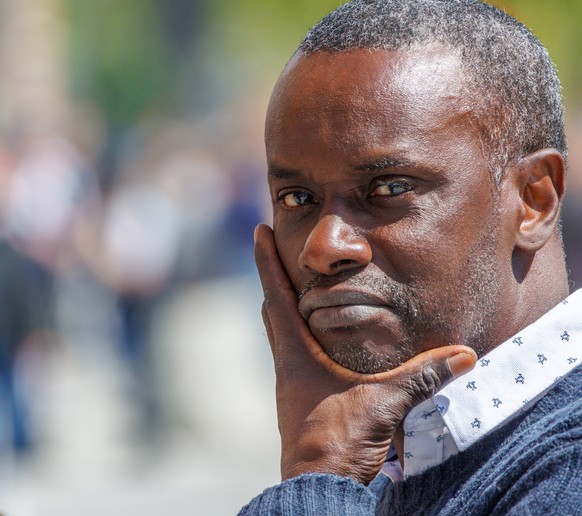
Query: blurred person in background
{"x": 134, "y": 247}
{"x": 25, "y": 302}
{"x": 46, "y": 181}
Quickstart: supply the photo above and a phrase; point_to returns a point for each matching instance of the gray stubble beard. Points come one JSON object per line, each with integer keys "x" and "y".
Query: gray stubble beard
{"x": 465, "y": 313}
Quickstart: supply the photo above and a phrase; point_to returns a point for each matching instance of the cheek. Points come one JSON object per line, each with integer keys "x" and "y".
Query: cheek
{"x": 426, "y": 253}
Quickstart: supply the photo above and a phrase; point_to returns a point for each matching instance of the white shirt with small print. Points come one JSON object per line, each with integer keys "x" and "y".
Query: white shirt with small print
{"x": 504, "y": 383}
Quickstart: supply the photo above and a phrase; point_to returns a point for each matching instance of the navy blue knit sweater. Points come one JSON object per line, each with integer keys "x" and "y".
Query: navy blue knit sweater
{"x": 532, "y": 465}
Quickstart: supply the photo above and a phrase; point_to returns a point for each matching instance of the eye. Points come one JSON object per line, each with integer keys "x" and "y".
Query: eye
{"x": 390, "y": 188}
{"x": 296, "y": 199}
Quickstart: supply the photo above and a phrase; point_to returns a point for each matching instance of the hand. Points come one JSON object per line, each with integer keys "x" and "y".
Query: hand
{"x": 332, "y": 419}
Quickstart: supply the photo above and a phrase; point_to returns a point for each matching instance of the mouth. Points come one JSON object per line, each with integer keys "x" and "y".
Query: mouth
{"x": 327, "y": 310}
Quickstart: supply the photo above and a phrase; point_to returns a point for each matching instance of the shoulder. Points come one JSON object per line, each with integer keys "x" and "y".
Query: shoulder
{"x": 537, "y": 467}
{"x": 545, "y": 470}
{"x": 552, "y": 426}
{"x": 560, "y": 410}
{"x": 532, "y": 465}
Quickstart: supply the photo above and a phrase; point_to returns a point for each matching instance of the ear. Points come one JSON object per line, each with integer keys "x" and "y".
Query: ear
{"x": 540, "y": 179}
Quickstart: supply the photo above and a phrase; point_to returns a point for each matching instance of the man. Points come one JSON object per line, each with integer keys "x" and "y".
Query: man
{"x": 416, "y": 157}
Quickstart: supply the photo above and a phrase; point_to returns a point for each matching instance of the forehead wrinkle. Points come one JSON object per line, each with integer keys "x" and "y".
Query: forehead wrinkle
{"x": 434, "y": 83}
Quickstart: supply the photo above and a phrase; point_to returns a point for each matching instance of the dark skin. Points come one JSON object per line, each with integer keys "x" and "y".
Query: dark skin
{"x": 395, "y": 260}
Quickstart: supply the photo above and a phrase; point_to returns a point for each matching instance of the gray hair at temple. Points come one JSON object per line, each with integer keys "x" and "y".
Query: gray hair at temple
{"x": 510, "y": 72}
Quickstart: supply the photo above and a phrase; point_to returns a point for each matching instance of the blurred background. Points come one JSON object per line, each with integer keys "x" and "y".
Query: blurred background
{"x": 135, "y": 375}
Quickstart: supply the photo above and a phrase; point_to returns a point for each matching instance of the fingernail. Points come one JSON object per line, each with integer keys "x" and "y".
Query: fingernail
{"x": 461, "y": 363}
{"x": 255, "y": 234}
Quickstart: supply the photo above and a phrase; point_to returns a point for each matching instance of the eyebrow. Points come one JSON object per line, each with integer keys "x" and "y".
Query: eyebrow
{"x": 377, "y": 164}
{"x": 396, "y": 163}
{"x": 283, "y": 173}
{"x": 386, "y": 162}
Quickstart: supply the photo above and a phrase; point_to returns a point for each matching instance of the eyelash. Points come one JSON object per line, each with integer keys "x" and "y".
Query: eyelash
{"x": 282, "y": 196}
{"x": 392, "y": 184}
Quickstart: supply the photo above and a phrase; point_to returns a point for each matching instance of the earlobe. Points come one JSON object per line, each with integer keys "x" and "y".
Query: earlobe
{"x": 541, "y": 180}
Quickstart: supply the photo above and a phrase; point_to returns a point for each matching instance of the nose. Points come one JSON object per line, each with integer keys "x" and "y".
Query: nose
{"x": 333, "y": 246}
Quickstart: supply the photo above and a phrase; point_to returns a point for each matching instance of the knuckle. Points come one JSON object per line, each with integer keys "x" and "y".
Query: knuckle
{"x": 424, "y": 385}
{"x": 430, "y": 380}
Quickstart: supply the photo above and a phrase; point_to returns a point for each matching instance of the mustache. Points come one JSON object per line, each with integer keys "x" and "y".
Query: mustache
{"x": 323, "y": 281}
{"x": 401, "y": 298}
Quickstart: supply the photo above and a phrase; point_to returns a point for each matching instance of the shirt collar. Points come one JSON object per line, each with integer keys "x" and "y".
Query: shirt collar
{"x": 504, "y": 383}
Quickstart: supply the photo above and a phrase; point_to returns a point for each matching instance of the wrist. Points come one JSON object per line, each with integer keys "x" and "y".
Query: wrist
{"x": 360, "y": 466}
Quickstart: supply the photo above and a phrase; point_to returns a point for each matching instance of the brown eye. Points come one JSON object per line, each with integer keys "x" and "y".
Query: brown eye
{"x": 391, "y": 188}
{"x": 296, "y": 199}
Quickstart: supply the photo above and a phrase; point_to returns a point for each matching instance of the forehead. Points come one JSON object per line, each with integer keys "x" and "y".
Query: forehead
{"x": 422, "y": 69}
{"x": 332, "y": 94}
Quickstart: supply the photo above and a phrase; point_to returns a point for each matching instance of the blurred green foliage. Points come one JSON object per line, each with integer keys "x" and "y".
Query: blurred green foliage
{"x": 264, "y": 33}
{"x": 558, "y": 24}
{"x": 123, "y": 60}
{"x": 118, "y": 56}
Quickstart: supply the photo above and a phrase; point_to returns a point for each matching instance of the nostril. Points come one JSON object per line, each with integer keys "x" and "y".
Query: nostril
{"x": 340, "y": 264}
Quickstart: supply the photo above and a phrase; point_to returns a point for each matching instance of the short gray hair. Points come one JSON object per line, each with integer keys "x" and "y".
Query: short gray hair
{"x": 506, "y": 65}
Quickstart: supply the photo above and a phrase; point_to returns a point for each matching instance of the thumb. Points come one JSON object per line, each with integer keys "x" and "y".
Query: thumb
{"x": 424, "y": 375}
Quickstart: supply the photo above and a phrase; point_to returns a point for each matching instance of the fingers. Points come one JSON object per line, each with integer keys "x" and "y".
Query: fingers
{"x": 268, "y": 327}
{"x": 277, "y": 287}
{"x": 281, "y": 315}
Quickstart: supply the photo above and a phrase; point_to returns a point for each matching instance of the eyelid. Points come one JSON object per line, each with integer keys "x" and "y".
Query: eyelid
{"x": 387, "y": 180}
{"x": 280, "y": 198}
{"x": 392, "y": 179}
{"x": 291, "y": 190}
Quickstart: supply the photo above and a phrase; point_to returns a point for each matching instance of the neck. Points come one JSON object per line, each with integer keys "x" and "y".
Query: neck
{"x": 539, "y": 283}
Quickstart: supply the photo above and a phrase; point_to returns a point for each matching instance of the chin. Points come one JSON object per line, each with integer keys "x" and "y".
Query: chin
{"x": 362, "y": 364}
{"x": 360, "y": 355}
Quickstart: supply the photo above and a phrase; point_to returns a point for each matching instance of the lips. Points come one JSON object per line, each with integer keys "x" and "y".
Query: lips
{"x": 327, "y": 310}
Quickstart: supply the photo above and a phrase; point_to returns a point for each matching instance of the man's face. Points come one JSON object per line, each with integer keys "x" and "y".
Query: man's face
{"x": 385, "y": 214}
